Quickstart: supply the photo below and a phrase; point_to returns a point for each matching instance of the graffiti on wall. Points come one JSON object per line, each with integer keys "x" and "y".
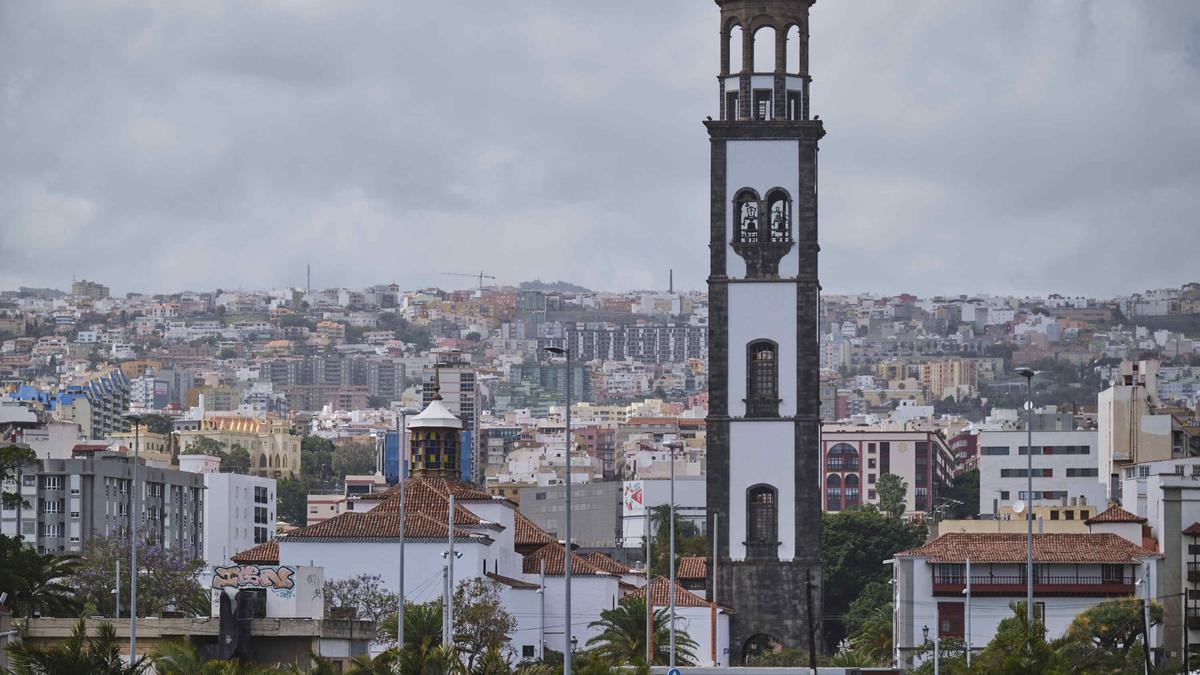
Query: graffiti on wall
{"x": 278, "y": 578}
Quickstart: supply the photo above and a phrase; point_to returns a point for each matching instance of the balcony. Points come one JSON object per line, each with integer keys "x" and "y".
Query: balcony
{"x": 1045, "y": 585}
{"x": 1193, "y": 618}
{"x": 1194, "y": 572}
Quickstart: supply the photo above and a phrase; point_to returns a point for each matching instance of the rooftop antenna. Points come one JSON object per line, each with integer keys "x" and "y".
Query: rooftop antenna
{"x": 671, "y": 280}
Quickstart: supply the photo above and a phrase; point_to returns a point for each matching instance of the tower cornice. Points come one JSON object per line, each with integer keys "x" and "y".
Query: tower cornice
{"x": 760, "y": 130}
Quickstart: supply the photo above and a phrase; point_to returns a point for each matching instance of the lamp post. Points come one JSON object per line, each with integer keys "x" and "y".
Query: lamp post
{"x": 134, "y": 517}
{"x": 567, "y": 641}
{"x": 1028, "y": 374}
{"x": 672, "y": 446}
{"x": 401, "y": 455}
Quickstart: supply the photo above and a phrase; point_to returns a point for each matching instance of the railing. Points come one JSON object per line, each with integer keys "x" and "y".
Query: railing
{"x": 1045, "y": 583}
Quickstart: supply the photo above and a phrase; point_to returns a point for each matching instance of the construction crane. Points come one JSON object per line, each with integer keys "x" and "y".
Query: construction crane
{"x": 481, "y": 276}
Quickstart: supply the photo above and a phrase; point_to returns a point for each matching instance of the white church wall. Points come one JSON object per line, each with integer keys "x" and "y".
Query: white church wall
{"x": 762, "y": 452}
{"x": 762, "y": 311}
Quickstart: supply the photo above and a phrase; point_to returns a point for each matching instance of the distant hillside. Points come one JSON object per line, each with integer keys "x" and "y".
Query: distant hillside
{"x": 555, "y": 286}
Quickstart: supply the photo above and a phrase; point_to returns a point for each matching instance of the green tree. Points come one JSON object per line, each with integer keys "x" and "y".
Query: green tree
{"x": 962, "y": 495}
{"x": 481, "y": 623}
{"x": 12, "y": 460}
{"x": 873, "y": 637}
{"x": 353, "y": 459}
{"x": 157, "y": 424}
{"x": 316, "y": 461}
{"x": 853, "y": 544}
{"x": 292, "y": 501}
{"x": 227, "y": 353}
{"x": 871, "y": 598}
{"x": 203, "y": 445}
{"x": 364, "y": 596}
{"x": 1017, "y": 648}
{"x": 237, "y": 460}
{"x": 1107, "y": 638}
{"x": 689, "y": 540}
{"x": 78, "y": 654}
{"x": 37, "y": 582}
{"x": 892, "y": 491}
{"x": 181, "y": 658}
{"x": 622, "y": 637}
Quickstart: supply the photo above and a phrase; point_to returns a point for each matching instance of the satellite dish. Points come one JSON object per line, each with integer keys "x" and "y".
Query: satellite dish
{"x": 1018, "y": 506}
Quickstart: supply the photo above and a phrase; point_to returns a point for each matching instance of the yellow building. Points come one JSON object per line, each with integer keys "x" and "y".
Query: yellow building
{"x": 151, "y": 446}
{"x": 274, "y": 450}
{"x": 954, "y": 378}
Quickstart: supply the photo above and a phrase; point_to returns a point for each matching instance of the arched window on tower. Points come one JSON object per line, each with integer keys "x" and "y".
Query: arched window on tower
{"x": 746, "y": 210}
{"x": 764, "y": 50}
{"x": 762, "y": 379}
{"x": 842, "y": 457}
{"x": 735, "y": 49}
{"x": 779, "y": 210}
{"x": 762, "y": 522}
{"x": 833, "y": 492}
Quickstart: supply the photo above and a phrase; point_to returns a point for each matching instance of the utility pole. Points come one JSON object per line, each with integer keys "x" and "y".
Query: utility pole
{"x": 1146, "y": 614}
{"x": 445, "y": 605}
{"x": 542, "y": 608}
{"x": 649, "y": 578}
{"x": 812, "y": 628}
{"x": 968, "y": 608}
{"x": 450, "y": 572}
{"x": 117, "y": 592}
{"x": 134, "y": 516}
{"x": 1028, "y": 374}
{"x": 671, "y": 555}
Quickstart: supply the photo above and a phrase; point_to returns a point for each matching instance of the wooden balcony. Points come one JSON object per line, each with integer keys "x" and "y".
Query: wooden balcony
{"x": 1046, "y": 585}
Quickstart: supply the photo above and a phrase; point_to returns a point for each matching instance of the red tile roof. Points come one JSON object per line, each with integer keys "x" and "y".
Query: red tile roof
{"x": 1193, "y": 529}
{"x": 1114, "y": 514}
{"x": 660, "y": 594}
{"x": 431, "y": 497}
{"x": 266, "y": 553}
{"x": 555, "y": 559}
{"x": 956, "y": 547}
{"x": 692, "y": 567}
{"x": 607, "y": 564}
{"x": 377, "y": 526}
{"x": 528, "y": 533}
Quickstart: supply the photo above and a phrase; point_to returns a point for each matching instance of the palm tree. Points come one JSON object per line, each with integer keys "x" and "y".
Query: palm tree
{"x": 181, "y": 658}
{"x": 874, "y": 638}
{"x": 39, "y": 588}
{"x": 100, "y": 655}
{"x": 622, "y": 637}
{"x": 422, "y": 623}
{"x": 384, "y": 664}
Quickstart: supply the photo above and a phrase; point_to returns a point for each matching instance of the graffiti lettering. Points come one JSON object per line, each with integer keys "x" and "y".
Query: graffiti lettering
{"x": 277, "y": 577}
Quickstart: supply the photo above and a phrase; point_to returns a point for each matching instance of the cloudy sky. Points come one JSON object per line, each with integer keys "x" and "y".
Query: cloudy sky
{"x": 992, "y": 146}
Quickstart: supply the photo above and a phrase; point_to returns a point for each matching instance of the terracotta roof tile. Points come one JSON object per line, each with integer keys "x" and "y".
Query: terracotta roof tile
{"x": 692, "y": 567}
{"x": 1193, "y": 529}
{"x": 555, "y": 559}
{"x": 660, "y": 594}
{"x": 431, "y": 497}
{"x": 266, "y": 553}
{"x": 1114, "y": 514}
{"x": 607, "y": 564}
{"x": 377, "y": 526}
{"x": 528, "y": 533}
{"x": 956, "y": 547}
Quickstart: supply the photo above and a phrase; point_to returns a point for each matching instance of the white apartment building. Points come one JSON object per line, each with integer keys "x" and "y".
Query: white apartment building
{"x": 239, "y": 510}
{"x": 854, "y": 460}
{"x": 1065, "y": 469}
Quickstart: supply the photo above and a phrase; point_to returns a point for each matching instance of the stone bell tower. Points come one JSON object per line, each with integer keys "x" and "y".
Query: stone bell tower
{"x": 764, "y": 384}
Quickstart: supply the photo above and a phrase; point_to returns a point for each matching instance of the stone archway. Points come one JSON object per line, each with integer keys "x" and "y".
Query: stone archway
{"x": 759, "y": 644}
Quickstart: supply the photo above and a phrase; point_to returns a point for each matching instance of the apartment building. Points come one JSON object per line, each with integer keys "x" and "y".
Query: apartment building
{"x": 1065, "y": 469}
{"x": 853, "y": 461}
{"x": 72, "y": 500}
{"x": 239, "y": 511}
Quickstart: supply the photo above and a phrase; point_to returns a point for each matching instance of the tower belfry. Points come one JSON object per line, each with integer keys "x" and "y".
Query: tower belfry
{"x": 763, "y": 425}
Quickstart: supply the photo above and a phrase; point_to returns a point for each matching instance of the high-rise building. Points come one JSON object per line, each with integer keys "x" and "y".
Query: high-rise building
{"x": 764, "y": 365}
{"x": 89, "y": 289}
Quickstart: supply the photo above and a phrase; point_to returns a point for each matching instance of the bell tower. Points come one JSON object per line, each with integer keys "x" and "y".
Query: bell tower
{"x": 764, "y": 384}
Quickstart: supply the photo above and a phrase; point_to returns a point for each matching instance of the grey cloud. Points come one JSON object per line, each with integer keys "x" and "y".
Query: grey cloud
{"x": 1016, "y": 146}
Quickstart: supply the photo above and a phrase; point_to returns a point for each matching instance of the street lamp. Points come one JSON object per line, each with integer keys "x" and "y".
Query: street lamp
{"x": 134, "y": 516}
{"x": 561, "y": 351}
{"x": 672, "y": 446}
{"x": 401, "y": 455}
{"x": 1028, "y": 374}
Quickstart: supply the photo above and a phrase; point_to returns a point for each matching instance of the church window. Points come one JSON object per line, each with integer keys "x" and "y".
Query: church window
{"x": 779, "y": 213}
{"x": 762, "y": 531}
{"x": 746, "y": 227}
{"x": 762, "y": 379}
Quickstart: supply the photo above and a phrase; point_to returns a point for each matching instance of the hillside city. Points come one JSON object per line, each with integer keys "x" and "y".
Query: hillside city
{"x": 265, "y": 423}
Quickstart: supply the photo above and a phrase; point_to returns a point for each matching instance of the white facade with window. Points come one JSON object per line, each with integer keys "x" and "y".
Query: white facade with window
{"x": 239, "y": 511}
{"x": 1065, "y": 470}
